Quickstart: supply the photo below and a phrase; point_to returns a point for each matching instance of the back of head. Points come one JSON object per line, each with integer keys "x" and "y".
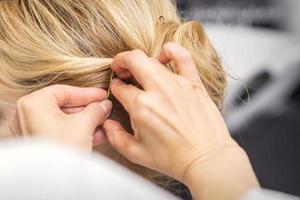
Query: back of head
{"x": 66, "y": 42}
{"x": 71, "y": 42}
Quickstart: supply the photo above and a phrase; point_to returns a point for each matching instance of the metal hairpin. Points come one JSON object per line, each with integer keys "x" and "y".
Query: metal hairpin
{"x": 111, "y": 78}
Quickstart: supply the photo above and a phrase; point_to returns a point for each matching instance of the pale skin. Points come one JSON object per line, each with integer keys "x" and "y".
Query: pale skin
{"x": 178, "y": 130}
{"x": 67, "y": 114}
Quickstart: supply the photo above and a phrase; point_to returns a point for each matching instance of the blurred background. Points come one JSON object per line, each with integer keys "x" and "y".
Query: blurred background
{"x": 259, "y": 42}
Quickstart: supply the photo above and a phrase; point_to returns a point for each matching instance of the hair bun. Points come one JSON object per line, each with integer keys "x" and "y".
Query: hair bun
{"x": 191, "y": 35}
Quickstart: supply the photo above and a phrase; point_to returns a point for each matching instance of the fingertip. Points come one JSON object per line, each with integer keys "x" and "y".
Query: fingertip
{"x": 109, "y": 127}
{"x": 116, "y": 83}
{"x": 106, "y": 106}
{"x": 99, "y": 137}
{"x": 125, "y": 75}
{"x": 164, "y": 56}
{"x": 114, "y": 129}
{"x": 117, "y": 64}
{"x": 107, "y": 123}
{"x": 171, "y": 45}
{"x": 122, "y": 141}
{"x": 183, "y": 59}
{"x": 96, "y": 113}
{"x": 117, "y": 68}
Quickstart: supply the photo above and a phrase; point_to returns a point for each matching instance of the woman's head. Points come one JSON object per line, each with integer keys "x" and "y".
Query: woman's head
{"x": 47, "y": 42}
{"x": 68, "y": 42}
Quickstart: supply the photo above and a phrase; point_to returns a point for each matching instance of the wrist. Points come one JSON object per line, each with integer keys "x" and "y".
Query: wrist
{"x": 226, "y": 175}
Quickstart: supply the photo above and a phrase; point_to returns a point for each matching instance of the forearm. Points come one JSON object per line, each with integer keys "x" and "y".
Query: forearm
{"x": 228, "y": 175}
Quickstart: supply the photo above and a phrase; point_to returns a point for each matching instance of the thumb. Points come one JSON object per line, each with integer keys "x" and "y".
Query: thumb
{"x": 96, "y": 113}
{"x": 122, "y": 141}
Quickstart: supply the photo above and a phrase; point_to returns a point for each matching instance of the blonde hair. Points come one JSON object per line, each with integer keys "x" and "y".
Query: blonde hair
{"x": 71, "y": 42}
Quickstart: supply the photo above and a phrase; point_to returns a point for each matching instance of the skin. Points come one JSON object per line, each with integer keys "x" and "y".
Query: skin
{"x": 178, "y": 130}
{"x": 58, "y": 112}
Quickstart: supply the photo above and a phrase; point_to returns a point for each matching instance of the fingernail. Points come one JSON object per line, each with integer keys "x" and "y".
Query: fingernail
{"x": 116, "y": 80}
{"x": 106, "y": 106}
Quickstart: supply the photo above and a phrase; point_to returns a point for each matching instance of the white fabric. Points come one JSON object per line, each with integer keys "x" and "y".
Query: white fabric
{"x": 268, "y": 195}
{"x": 39, "y": 170}
{"x": 35, "y": 170}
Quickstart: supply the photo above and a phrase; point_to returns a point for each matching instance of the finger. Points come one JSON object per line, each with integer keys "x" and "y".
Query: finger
{"x": 70, "y": 96}
{"x": 96, "y": 113}
{"x": 126, "y": 94}
{"x": 184, "y": 62}
{"x": 140, "y": 65}
{"x": 73, "y": 110}
{"x": 99, "y": 137}
{"x": 125, "y": 75}
{"x": 121, "y": 140}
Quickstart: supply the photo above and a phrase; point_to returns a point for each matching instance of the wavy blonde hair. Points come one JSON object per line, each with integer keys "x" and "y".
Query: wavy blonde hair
{"x": 47, "y": 42}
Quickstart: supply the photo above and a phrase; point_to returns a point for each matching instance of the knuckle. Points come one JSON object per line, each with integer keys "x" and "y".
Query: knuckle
{"x": 134, "y": 118}
{"x": 168, "y": 46}
{"x": 132, "y": 56}
{"x": 56, "y": 87}
{"x": 142, "y": 110}
{"x": 25, "y": 102}
{"x": 186, "y": 56}
{"x": 130, "y": 154}
{"x": 138, "y": 52}
{"x": 59, "y": 87}
{"x": 53, "y": 90}
{"x": 142, "y": 116}
{"x": 153, "y": 60}
{"x": 140, "y": 99}
{"x": 142, "y": 102}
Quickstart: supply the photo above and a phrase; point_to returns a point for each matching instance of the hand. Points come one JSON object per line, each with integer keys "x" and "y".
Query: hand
{"x": 174, "y": 119}
{"x": 177, "y": 127}
{"x": 67, "y": 114}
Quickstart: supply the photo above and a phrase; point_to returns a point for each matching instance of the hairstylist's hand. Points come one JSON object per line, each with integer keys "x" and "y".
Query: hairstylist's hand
{"x": 67, "y": 114}
{"x": 178, "y": 130}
